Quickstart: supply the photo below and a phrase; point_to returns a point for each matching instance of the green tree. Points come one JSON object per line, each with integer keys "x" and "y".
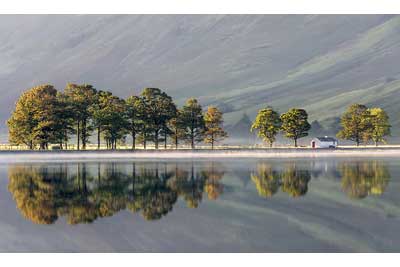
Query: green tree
{"x": 193, "y": 121}
{"x": 380, "y": 126}
{"x": 115, "y": 120}
{"x": 177, "y": 127}
{"x": 355, "y": 123}
{"x": 81, "y": 98}
{"x": 159, "y": 108}
{"x": 65, "y": 119}
{"x": 295, "y": 124}
{"x": 214, "y": 130}
{"x": 267, "y": 124}
{"x": 99, "y": 113}
{"x": 134, "y": 107}
{"x": 48, "y": 123}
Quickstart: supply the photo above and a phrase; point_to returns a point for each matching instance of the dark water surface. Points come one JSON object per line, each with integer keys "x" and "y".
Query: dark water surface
{"x": 301, "y": 205}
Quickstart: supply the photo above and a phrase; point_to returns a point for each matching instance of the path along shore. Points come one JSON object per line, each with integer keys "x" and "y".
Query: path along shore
{"x": 37, "y": 155}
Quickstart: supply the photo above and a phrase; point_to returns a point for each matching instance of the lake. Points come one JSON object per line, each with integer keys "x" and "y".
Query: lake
{"x": 231, "y": 205}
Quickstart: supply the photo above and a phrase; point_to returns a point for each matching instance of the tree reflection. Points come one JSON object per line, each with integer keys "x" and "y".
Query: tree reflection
{"x": 36, "y": 193}
{"x": 295, "y": 180}
{"x": 84, "y": 192}
{"x": 360, "y": 179}
{"x": 267, "y": 180}
{"x": 212, "y": 176}
{"x": 292, "y": 180}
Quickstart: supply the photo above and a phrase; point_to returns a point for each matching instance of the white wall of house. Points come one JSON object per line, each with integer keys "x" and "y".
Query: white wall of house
{"x": 325, "y": 144}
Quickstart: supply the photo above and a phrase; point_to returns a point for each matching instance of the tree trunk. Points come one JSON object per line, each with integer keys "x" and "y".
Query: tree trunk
{"x": 212, "y": 141}
{"x": 156, "y": 139}
{"x": 133, "y": 140}
{"x": 98, "y": 137}
{"x": 66, "y": 139}
{"x": 192, "y": 138}
{"x": 165, "y": 140}
{"x": 295, "y": 142}
{"x": 83, "y": 135}
{"x": 78, "y": 133}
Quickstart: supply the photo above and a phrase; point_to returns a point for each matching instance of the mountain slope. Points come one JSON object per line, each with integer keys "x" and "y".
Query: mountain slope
{"x": 241, "y": 63}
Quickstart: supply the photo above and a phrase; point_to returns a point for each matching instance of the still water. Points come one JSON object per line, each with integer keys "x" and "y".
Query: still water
{"x": 301, "y": 205}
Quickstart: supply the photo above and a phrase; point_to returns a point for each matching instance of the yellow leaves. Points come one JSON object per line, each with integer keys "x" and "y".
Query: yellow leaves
{"x": 214, "y": 126}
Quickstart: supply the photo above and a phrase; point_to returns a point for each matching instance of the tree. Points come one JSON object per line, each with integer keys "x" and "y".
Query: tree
{"x": 45, "y": 115}
{"x": 34, "y": 120}
{"x": 380, "y": 127}
{"x": 176, "y": 125}
{"x": 267, "y": 124}
{"x": 133, "y": 109}
{"x": 213, "y": 124}
{"x": 295, "y": 124}
{"x": 81, "y": 98}
{"x": 65, "y": 119}
{"x": 21, "y": 122}
{"x": 355, "y": 123}
{"x": 160, "y": 108}
{"x": 99, "y": 113}
{"x": 193, "y": 121}
{"x": 115, "y": 120}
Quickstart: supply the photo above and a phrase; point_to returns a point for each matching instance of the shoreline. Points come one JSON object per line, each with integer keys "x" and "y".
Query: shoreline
{"x": 40, "y": 155}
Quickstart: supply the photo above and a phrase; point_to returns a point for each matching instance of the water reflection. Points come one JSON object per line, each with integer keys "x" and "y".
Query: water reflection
{"x": 83, "y": 192}
{"x": 361, "y": 179}
{"x": 358, "y": 179}
{"x": 292, "y": 180}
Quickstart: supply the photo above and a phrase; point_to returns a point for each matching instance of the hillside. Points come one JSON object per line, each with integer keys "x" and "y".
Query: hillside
{"x": 241, "y": 63}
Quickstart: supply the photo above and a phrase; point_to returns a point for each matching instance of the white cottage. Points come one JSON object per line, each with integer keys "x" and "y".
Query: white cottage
{"x": 324, "y": 142}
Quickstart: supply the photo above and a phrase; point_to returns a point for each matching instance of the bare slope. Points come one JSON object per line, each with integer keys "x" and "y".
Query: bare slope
{"x": 244, "y": 62}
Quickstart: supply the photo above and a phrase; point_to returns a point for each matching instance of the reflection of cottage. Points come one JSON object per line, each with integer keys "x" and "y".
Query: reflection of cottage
{"x": 324, "y": 142}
